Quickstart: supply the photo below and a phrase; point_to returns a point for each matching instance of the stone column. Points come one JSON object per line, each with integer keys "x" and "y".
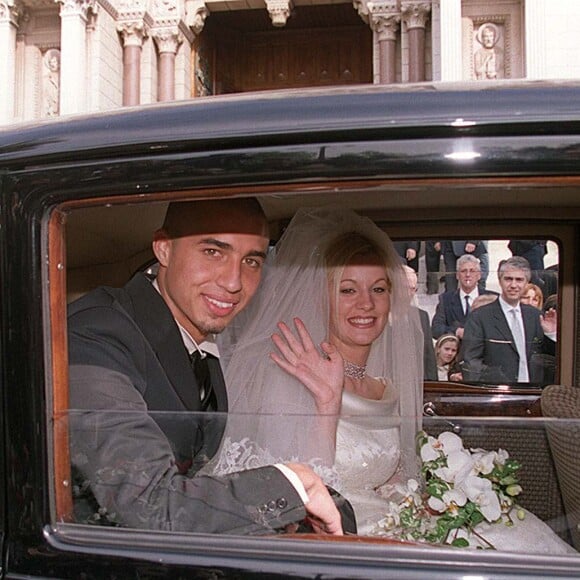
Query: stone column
{"x": 8, "y": 28}
{"x": 132, "y": 32}
{"x": 167, "y": 41}
{"x": 536, "y": 66}
{"x": 415, "y": 15}
{"x": 451, "y": 40}
{"x": 384, "y": 18}
{"x": 73, "y": 65}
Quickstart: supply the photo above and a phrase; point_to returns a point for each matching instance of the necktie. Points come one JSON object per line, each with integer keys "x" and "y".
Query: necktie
{"x": 203, "y": 378}
{"x": 520, "y": 341}
{"x": 467, "y": 308}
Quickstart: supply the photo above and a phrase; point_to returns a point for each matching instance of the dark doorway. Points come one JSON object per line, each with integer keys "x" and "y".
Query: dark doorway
{"x": 324, "y": 45}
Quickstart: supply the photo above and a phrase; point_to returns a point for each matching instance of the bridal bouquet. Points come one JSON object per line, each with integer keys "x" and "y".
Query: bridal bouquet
{"x": 462, "y": 488}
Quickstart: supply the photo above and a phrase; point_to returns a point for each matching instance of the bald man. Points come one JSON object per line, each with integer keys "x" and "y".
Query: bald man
{"x": 144, "y": 372}
{"x": 429, "y": 361}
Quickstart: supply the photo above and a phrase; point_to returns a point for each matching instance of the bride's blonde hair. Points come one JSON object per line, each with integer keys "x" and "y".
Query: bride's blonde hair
{"x": 344, "y": 250}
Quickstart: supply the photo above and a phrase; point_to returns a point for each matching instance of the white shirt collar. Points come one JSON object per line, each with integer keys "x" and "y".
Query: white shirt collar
{"x": 208, "y": 345}
{"x": 508, "y": 307}
{"x": 472, "y": 295}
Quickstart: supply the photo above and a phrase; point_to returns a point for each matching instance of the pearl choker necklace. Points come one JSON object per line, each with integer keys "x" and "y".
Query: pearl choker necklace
{"x": 354, "y": 371}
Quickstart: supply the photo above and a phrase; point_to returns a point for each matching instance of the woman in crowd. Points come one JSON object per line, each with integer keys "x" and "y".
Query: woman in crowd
{"x": 533, "y": 296}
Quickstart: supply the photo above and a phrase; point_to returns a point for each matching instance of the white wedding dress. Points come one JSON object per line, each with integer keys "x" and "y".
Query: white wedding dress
{"x": 367, "y": 456}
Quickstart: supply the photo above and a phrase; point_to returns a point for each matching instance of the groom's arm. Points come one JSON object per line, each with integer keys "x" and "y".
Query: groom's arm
{"x": 130, "y": 467}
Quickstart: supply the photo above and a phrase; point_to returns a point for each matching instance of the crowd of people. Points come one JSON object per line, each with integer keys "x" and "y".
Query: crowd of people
{"x": 512, "y": 339}
{"x": 243, "y": 390}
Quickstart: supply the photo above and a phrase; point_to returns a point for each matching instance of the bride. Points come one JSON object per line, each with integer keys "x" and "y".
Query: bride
{"x": 342, "y": 390}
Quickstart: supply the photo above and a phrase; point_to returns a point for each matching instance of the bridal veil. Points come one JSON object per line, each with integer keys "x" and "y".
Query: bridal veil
{"x": 272, "y": 416}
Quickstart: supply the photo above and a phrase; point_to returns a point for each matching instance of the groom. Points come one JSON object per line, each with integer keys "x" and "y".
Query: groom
{"x": 137, "y": 432}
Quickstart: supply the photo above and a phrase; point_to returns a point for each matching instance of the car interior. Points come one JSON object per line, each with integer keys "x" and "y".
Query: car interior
{"x": 104, "y": 241}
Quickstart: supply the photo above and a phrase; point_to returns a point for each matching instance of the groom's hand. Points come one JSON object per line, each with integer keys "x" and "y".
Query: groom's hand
{"x": 320, "y": 505}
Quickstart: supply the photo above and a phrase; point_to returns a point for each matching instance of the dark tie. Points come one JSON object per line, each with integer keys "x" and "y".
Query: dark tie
{"x": 203, "y": 378}
{"x": 467, "y": 308}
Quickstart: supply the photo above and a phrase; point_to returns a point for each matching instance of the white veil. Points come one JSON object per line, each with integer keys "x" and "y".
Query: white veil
{"x": 272, "y": 416}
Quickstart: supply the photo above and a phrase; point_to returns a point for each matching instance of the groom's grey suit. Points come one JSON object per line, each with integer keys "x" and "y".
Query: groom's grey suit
{"x": 134, "y": 438}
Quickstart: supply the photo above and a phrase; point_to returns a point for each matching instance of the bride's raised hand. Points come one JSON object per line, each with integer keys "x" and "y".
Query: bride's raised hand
{"x": 321, "y": 373}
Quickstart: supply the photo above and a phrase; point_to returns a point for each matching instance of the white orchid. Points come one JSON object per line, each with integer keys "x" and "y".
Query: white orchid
{"x": 446, "y": 443}
{"x": 501, "y": 456}
{"x": 483, "y": 461}
{"x": 451, "y": 501}
{"x": 480, "y": 491}
{"x": 462, "y": 488}
{"x": 459, "y": 466}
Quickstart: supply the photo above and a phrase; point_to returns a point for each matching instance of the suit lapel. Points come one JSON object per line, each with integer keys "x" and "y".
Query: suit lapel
{"x": 457, "y": 308}
{"x": 157, "y": 324}
{"x": 501, "y": 324}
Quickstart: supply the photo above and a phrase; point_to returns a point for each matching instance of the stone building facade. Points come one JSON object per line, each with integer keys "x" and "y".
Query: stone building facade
{"x": 81, "y": 56}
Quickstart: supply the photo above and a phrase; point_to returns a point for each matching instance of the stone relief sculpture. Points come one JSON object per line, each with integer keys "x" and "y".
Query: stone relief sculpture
{"x": 488, "y": 60}
{"x": 51, "y": 82}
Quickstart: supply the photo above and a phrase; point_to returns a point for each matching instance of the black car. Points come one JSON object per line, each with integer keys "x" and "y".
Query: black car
{"x": 80, "y": 197}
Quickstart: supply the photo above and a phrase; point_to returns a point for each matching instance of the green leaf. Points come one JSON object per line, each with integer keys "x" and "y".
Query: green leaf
{"x": 420, "y": 440}
{"x": 460, "y": 543}
{"x": 437, "y": 487}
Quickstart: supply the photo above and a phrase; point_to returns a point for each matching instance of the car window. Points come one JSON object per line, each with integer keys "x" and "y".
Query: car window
{"x": 537, "y": 499}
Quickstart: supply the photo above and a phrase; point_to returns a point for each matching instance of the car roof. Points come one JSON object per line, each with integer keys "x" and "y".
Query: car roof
{"x": 257, "y": 118}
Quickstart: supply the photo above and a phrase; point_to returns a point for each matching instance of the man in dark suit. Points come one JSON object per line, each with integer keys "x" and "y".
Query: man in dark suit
{"x": 432, "y": 265}
{"x": 452, "y": 250}
{"x": 504, "y": 339}
{"x": 454, "y": 305}
{"x": 137, "y": 432}
{"x": 409, "y": 252}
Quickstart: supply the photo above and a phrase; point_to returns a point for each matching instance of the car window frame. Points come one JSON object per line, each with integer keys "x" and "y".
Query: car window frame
{"x": 56, "y": 278}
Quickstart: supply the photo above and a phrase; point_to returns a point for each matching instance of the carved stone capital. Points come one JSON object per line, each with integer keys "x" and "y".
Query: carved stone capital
{"x": 383, "y": 17}
{"x": 386, "y": 27}
{"x": 415, "y": 14}
{"x": 80, "y": 8}
{"x": 133, "y": 32}
{"x": 11, "y": 11}
{"x": 167, "y": 39}
{"x": 279, "y": 11}
{"x": 361, "y": 7}
{"x": 195, "y": 14}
